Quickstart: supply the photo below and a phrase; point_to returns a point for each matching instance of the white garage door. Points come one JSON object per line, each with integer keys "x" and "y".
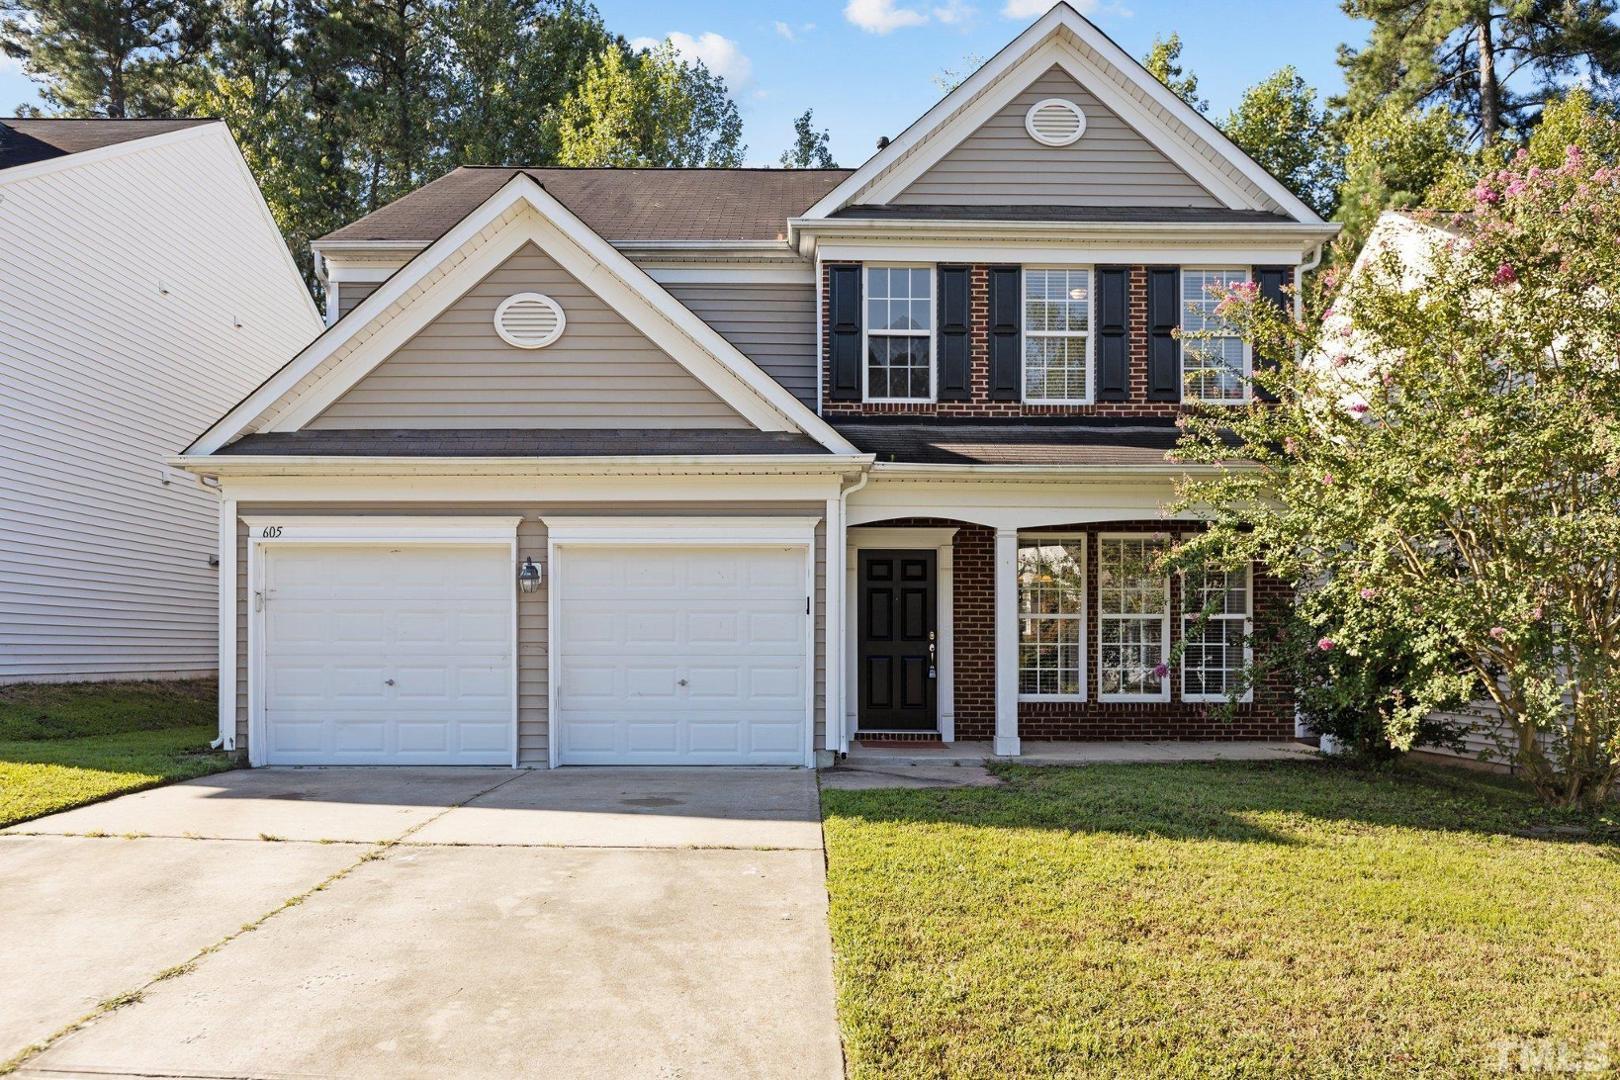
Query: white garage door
{"x": 377, "y": 655}
{"x": 682, "y": 656}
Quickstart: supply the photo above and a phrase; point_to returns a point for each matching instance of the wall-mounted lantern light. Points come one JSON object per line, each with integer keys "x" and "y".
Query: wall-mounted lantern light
{"x": 529, "y": 576}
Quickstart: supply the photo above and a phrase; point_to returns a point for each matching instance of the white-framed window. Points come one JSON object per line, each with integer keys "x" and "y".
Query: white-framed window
{"x": 899, "y": 333}
{"x": 1051, "y": 617}
{"x": 1057, "y": 335}
{"x": 1133, "y": 618}
{"x": 1216, "y": 613}
{"x": 1216, "y": 368}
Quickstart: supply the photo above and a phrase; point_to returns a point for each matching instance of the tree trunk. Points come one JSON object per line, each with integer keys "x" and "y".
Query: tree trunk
{"x": 1489, "y": 92}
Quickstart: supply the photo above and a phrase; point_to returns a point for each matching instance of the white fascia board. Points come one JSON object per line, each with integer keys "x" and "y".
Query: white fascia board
{"x": 1047, "y": 473}
{"x": 589, "y": 529}
{"x": 1069, "y": 255}
{"x": 103, "y": 153}
{"x": 695, "y": 344}
{"x": 701, "y": 274}
{"x": 686, "y": 465}
{"x": 950, "y": 120}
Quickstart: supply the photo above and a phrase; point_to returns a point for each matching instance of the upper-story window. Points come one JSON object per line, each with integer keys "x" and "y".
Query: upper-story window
{"x": 899, "y": 333}
{"x": 1216, "y": 367}
{"x": 1057, "y": 335}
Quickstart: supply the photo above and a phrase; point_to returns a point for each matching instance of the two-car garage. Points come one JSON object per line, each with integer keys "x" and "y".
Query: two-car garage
{"x": 660, "y": 642}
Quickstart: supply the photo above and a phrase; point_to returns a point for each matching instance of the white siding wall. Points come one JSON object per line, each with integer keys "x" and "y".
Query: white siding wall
{"x": 122, "y": 280}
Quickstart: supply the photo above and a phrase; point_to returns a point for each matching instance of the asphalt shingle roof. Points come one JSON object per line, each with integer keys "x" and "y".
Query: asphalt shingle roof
{"x": 1014, "y": 441}
{"x": 25, "y": 140}
{"x": 618, "y": 204}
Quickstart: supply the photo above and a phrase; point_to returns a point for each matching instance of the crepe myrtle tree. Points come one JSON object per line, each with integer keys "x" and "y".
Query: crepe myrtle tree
{"x": 1441, "y": 467}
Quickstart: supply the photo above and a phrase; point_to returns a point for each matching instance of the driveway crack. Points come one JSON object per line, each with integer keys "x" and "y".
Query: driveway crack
{"x": 134, "y": 996}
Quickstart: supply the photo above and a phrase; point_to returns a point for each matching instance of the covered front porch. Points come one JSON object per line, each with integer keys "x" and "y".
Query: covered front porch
{"x": 1023, "y": 617}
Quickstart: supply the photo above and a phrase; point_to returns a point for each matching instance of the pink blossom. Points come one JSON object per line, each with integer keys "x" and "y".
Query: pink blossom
{"x": 1369, "y": 593}
{"x": 1161, "y": 670}
{"x": 1535, "y": 612}
{"x": 1341, "y": 360}
{"x": 1499, "y": 633}
{"x": 1389, "y": 378}
{"x": 1486, "y": 195}
{"x": 1326, "y": 645}
{"x": 1244, "y": 290}
{"x": 1505, "y": 275}
{"x": 1290, "y": 445}
{"x": 1359, "y": 408}
{"x": 1327, "y": 478}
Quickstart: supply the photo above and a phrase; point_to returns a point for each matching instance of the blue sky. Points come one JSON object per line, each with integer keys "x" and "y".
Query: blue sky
{"x": 867, "y": 66}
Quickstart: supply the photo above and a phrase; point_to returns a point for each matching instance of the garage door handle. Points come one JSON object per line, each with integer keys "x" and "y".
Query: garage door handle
{"x": 680, "y": 682}
{"x": 388, "y": 682}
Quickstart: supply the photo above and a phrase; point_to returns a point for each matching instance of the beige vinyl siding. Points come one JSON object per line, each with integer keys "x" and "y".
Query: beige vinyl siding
{"x": 1111, "y": 165}
{"x": 774, "y": 325}
{"x": 142, "y": 294}
{"x": 533, "y": 718}
{"x": 458, "y": 373}
{"x": 351, "y": 293}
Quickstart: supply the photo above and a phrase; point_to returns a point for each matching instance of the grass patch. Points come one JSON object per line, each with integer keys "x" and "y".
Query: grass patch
{"x": 1220, "y": 920}
{"x": 64, "y": 745}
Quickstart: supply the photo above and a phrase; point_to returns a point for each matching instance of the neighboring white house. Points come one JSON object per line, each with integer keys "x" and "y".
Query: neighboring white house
{"x": 144, "y": 289}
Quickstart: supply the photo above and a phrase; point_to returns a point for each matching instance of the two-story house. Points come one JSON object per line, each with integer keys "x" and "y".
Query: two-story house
{"x": 738, "y": 466}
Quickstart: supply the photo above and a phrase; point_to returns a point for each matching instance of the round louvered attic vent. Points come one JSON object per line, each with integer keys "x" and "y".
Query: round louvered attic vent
{"x": 529, "y": 320}
{"x": 1055, "y": 122}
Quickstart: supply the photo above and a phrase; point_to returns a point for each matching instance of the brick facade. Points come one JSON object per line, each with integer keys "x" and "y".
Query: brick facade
{"x": 980, "y": 404}
{"x": 1269, "y": 716}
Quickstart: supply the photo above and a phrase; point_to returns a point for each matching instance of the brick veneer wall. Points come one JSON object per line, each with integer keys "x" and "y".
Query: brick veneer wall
{"x": 980, "y": 405}
{"x": 1269, "y": 716}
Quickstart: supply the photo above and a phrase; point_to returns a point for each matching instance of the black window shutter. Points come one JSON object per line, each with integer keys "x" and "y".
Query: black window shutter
{"x": 1271, "y": 280}
{"x": 1006, "y": 324}
{"x": 955, "y": 366}
{"x": 1163, "y": 316}
{"x": 844, "y": 338}
{"x": 1113, "y": 334}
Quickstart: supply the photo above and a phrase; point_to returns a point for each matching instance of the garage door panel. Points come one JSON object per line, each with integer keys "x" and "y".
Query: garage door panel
{"x": 377, "y": 655}
{"x": 682, "y": 656}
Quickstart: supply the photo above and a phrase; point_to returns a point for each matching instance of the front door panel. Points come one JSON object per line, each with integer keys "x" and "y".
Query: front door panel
{"x": 897, "y": 641}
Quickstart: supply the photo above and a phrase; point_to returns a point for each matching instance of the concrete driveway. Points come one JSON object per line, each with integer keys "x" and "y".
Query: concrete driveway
{"x": 416, "y": 922}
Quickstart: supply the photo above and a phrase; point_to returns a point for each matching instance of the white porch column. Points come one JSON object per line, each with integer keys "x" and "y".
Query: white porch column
{"x": 832, "y": 631}
{"x": 1006, "y": 742}
{"x": 227, "y": 623}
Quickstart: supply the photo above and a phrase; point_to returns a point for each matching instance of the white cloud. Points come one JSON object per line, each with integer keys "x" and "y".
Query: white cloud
{"x": 881, "y": 16}
{"x": 719, "y": 54}
{"x": 786, "y": 31}
{"x": 955, "y": 12}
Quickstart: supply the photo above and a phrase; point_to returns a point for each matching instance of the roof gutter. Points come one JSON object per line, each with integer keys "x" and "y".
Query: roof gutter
{"x": 332, "y": 465}
{"x": 1052, "y": 473}
{"x": 801, "y": 229}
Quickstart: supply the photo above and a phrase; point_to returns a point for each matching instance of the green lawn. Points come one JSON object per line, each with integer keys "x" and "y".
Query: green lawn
{"x": 66, "y": 745}
{"x": 1221, "y": 920}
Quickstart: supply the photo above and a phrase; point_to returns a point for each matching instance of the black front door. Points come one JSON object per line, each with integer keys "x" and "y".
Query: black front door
{"x": 898, "y": 666}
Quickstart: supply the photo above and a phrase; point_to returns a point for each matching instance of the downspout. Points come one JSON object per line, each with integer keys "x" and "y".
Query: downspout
{"x": 836, "y": 707}
{"x": 1299, "y": 280}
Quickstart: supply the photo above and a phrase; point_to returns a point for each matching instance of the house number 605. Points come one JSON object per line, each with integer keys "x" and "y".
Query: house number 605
{"x": 270, "y": 532}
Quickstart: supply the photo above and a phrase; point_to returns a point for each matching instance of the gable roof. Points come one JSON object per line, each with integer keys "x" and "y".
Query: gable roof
{"x": 620, "y": 205}
{"x": 520, "y": 212}
{"x": 25, "y": 140}
{"x": 1064, "y": 37}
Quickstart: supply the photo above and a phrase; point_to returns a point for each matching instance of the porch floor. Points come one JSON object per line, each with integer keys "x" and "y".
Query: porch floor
{"x": 1051, "y": 752}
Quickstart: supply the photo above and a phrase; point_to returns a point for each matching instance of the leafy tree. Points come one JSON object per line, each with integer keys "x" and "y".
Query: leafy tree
{"x": 1442, "y": 468}
{"x": 1163, "y": 62}
{"x": 112, "y": 58}
{"x": 649, "y": 108}
{"x": 809, "y": 149}
{"x": 1469, "y": 55}
{"x": 509, "y": 65}
{"x": 948, "y": 79}
{"x": 1392, "y": 159}
{"x": 1280, "y": 124}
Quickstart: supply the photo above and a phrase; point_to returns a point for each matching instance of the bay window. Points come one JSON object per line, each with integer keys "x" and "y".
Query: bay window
{"x": 1051, "y": 616}
{"x": 1057, "y": 335}
{"x": 899, "y": 333}
{"x": 1216, "y": 366}
{"x": 1133, "y": 618}
{"x": 1216, "y": 609}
